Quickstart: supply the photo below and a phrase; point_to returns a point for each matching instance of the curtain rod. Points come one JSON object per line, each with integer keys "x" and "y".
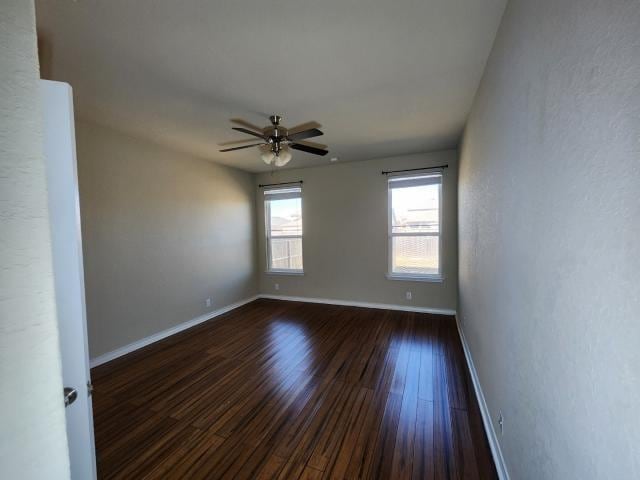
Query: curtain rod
{"x": 277, "y": 184}
{"x": 415, "y": 169}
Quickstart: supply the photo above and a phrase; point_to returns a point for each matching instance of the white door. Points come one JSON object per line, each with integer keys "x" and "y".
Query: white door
{"x": 66, "y": 240}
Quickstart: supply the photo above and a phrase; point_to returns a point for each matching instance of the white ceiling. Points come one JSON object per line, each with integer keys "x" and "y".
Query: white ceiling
{"x": 383, "y": 77}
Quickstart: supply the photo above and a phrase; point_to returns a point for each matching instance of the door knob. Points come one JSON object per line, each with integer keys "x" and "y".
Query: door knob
{"x": 70, "y": 395}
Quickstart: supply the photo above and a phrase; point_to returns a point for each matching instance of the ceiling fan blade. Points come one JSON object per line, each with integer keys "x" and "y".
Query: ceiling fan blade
{"x": 236, "y": 142}
{"x": 305, "y": 148}
{"x": 244, "y": 123}
{"x": 308, "y": 143}
{"x": 313, "y": 132}
{"x": 240, "y": 148}
{"x": 249, "y": 132}
{"x": 303, "y": 126}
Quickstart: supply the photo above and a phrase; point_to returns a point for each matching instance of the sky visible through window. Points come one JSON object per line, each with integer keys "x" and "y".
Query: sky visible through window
{"x": 286, "y": 208}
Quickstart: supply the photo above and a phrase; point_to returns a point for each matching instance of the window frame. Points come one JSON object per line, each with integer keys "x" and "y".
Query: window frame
{"x": 414, "y": 277}
{"x": 267, "y": 226}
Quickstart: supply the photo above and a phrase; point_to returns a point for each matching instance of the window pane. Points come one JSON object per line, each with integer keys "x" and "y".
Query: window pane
{"x": 286, "y": 253}
{"x": 286, "y": 217}
{"x": 415, "y": 255}
{"x": 415, "y": 209}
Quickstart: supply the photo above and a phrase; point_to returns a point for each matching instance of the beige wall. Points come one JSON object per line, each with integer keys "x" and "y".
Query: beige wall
{"x": 345, "y": 234}
{"x": 549, "y": 238}
{"x": 162, "y": 231}
{"x": 33, "y": 442}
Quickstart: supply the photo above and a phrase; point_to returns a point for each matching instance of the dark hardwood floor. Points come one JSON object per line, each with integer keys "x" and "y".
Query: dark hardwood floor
{"x": 294, "y": 390}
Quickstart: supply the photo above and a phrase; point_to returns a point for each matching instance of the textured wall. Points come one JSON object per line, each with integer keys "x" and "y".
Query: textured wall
{"x": 549, "y": 218}
{"x": 33, "y": 441}
{"x": 162, "y": 231}
{"x": 345, "y": 234}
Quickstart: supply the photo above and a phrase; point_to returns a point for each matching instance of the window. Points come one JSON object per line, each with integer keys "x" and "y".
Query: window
{"x": 283, "y": 225}
{"x": 414, "y": 226}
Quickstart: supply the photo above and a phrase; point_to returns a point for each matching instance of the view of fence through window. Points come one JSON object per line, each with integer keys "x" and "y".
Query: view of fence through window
{"x": 415, "y": 225}
{"x": 284, "y": 228}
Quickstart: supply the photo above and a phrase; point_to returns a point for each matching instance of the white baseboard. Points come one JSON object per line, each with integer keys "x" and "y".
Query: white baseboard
{"x": 498, "y": 459}
{"x": 107, "y": 357}
{"x": 349, "y": 303}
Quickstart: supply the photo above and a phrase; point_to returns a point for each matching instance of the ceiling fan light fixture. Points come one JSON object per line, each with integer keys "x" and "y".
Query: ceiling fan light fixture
{"x": 268, "y": 157}
{"x": 282, "y": 158}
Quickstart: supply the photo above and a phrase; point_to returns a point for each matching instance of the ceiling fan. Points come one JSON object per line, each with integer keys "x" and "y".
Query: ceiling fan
{"x": 277, "y": 140}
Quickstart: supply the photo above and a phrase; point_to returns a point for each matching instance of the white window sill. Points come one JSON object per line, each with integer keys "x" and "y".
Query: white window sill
{"x": 285, "y": 272}
{"x": 415, "y": 278}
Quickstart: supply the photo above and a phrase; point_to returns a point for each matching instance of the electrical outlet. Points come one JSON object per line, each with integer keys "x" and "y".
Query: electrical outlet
{"x": 501, "y": 422}
{"x": 408, "y": 295}
{"x": 208, "y": 302}
{"x": 276, "y": 286}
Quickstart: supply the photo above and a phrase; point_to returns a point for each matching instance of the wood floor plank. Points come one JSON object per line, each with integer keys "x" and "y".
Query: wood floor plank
{"x": 402, "y": 464}
{"x": 380, "y": 457}
{"x": 162, "y": 466}
{"x": 427, "y": 336}
{"x": 423, "y": 446}
{"x": 463, "y": 447}
{"x": 310, "y": 473}
{"x": 194, "y": 464}
{"x": 294, "y": 390}
{"x": 362, "y": 452}
{"x": 334, "y": 430}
